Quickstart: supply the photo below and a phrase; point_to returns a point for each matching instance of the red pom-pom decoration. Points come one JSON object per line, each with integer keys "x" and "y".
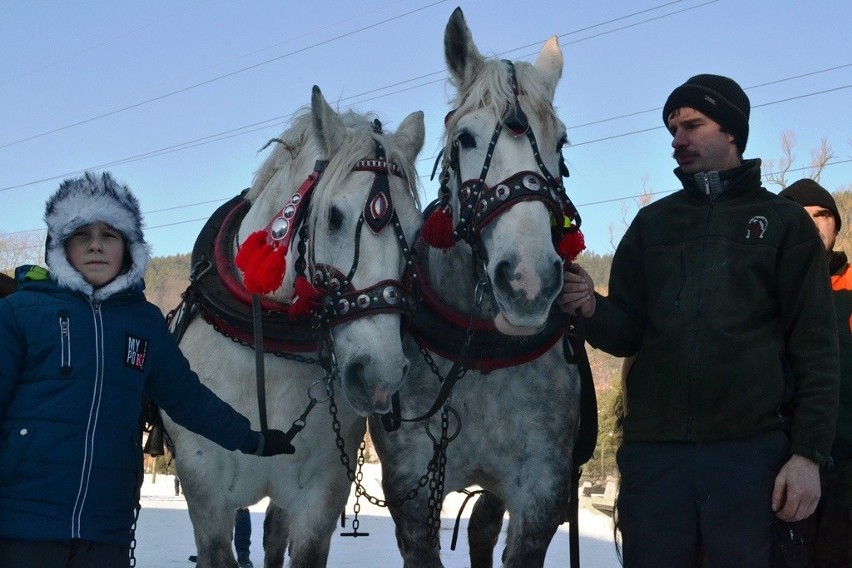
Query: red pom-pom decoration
{"x": 263, "y": 265}
{"x": 306, "y": 299}
{"x": 571, "y": 245}
{"x": 438, "y": 228}
{"x": 252, "y": 245}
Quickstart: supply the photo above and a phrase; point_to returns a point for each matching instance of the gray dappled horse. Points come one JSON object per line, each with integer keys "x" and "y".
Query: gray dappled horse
{"x": 489, "y": 281}
{"x": 325, "y": 227}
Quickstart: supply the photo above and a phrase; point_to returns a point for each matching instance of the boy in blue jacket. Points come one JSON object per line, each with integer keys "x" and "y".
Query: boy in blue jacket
{"x": 79, "y": 345}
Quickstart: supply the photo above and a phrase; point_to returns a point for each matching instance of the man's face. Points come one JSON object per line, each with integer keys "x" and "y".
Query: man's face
{"x": 825, "y": 224}
{"x": 699, "y": 143}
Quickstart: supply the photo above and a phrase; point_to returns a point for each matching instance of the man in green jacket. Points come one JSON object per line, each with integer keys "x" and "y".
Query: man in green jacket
{"x": 720, "y": 293}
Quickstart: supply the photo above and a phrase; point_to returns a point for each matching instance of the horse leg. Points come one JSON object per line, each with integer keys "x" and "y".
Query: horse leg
{"x": 412, "y": 534}
{"x": 531, "y": 529}
{"x": 213, "y": 526}
{"x": 483, "y": 529}
{"x": 275, "y": 536}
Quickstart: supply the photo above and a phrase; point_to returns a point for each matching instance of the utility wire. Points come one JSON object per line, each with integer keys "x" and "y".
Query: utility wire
{"x": 220, "y": 77}
{"x": 300, "y": 50}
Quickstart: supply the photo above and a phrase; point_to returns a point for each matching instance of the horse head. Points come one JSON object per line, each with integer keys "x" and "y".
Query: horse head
{"x": 501, "y": 175}
{"x": 333, "y": 209}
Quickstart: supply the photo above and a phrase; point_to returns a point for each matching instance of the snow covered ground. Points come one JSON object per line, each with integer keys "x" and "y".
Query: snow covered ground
{"x": 165, "y": 540}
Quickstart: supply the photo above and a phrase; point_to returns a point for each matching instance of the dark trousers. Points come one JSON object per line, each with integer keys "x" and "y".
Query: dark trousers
{"x": 828, "y": 532}
{"x": 679, "y": 499}
{"x": 242, "y": 532}
{"x": 62, "y": 554}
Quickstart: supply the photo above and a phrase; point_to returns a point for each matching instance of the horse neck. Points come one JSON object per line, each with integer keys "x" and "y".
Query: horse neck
{"x": 451, "y": 276}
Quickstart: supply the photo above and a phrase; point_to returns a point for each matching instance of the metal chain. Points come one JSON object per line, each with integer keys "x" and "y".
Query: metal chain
{"x": 356, "y": 508}
{"x": 132, "y": 560}
{"x": 436, "y": 483}
{"x": 350, "y": 473}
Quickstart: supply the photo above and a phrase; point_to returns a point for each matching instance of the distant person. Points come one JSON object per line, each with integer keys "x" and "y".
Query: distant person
{"x": 718, "y": 292}
{"x": 829, "y": 531}
{"x": 79, "y": 345}
{"x": 177, "y": 485}
{"x": 242, "y": 538}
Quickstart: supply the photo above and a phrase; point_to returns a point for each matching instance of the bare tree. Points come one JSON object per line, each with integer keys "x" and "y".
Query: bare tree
{"x": 777, "y": 172}
{"x": 627, "y": 214}
{"x": 21, "y": 248}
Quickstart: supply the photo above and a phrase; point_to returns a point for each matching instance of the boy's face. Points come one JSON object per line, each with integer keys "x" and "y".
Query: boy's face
{"x": 97, "y": 252}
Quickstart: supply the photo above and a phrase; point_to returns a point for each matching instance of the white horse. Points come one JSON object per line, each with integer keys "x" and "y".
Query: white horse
{"x": 489, "y": 281}
{"x": 323, "y": 239}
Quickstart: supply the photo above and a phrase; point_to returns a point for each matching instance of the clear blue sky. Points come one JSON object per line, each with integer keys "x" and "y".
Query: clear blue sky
{"x": 177, "y": 98}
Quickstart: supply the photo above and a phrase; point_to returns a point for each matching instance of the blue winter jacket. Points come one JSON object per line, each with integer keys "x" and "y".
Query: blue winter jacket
{"x": 72, "y": 375}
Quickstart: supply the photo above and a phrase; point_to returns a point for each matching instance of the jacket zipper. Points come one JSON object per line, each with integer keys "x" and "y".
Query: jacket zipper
{"x": 64, "y": 343}
{"x": 691, "y": 406}
{"x": 91, "y": 426}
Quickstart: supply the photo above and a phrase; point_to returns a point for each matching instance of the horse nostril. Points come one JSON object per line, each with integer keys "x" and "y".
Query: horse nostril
{"x": 504, "y": 275}
{"x": 554, "y": 282}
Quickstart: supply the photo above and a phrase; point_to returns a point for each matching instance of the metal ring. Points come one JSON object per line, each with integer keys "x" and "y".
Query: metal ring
{"x": 328, "y": 392}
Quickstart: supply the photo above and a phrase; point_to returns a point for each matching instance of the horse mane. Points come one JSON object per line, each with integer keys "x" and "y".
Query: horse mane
{"x": 297, "y": 150}
{"x": 490, "y": 88}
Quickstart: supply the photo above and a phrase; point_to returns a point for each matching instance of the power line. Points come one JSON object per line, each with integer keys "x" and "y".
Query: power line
{"x": 256, "y": 65}
{"x": 218, "y": 78}
{"x": 579, "y": 205}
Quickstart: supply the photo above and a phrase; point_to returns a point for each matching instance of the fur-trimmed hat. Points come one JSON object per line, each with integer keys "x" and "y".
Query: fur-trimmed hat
{"x": 90, "y": 199}
{"x": 720, "y": 98}
{"x": 807, "y": 192}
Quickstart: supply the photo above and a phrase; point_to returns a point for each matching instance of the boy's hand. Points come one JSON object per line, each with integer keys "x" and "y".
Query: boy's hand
{"x": 273, "y": 443}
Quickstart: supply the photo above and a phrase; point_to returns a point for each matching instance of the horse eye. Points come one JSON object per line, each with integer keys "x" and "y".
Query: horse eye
{"x": 335, "y": 219}
{"x": 466, "y": 139}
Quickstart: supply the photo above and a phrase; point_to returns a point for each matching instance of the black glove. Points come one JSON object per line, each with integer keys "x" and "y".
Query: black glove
{"x": 273, "y": 443}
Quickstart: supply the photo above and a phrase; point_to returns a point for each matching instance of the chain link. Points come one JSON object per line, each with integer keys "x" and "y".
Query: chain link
{"x": 132, "y": 560}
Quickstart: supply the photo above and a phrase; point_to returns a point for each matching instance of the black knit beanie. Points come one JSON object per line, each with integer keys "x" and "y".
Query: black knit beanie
{"x": 807, "y": 192}
{"x": 720, "y": 98}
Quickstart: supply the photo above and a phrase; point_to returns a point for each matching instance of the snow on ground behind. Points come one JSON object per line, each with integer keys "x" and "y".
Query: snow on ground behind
{"x": 164, "y": 537}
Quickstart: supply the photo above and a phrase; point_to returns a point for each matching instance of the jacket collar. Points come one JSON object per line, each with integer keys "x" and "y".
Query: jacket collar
{"x": 837, "y": 261}
{"x": 711, "y": 185}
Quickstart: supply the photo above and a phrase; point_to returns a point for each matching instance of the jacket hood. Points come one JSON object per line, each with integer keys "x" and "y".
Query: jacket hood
{"x": 90, "y": 199}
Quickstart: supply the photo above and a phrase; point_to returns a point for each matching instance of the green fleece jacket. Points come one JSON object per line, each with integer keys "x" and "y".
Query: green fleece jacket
{"x": 721, "y": 290}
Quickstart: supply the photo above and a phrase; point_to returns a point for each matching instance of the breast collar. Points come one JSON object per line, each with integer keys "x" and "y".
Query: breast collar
{"x": 443, "y": 330}
{"x": 222, "y": 300}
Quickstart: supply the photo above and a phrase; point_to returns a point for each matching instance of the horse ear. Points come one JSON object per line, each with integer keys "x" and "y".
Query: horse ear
{"x": 459, "y": 50}
{"x": 328, "y": 126}
{"x": 411, "y": 134}
{"x": 549, "y": 63}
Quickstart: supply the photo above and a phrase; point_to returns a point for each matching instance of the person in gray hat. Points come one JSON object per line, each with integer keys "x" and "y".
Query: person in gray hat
{"x": 718, "y": 293}
{"x": 828, "y": 533}
{"x": 79, "y": 346}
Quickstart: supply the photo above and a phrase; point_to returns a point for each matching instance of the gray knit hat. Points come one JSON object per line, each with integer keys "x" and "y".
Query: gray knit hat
{"x": 807, "y": 192}
{"x": 720, "y": 98}
{"x": 91, "y": 199}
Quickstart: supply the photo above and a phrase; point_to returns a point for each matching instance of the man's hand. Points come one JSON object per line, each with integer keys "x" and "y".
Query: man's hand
{"x": 797, "y": 490}
{"x": 578, "y": 292}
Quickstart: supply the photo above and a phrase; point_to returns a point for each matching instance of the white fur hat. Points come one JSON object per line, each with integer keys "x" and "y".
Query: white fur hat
{"x": 91, "y": 199}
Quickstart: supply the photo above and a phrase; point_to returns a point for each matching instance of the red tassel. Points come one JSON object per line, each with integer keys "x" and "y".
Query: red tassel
{"x": 571, "y": 245}
{"x": 263, "y": 265}
{"x": 438, "y": 228}
{"x": 252, "y": 245}
{"x": 305, "y": 299}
